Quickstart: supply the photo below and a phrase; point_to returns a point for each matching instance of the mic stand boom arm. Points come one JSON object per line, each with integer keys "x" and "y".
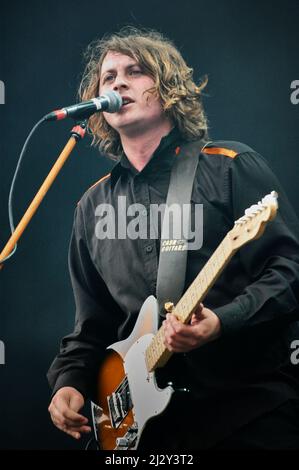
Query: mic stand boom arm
{"x": 77, "y": 133}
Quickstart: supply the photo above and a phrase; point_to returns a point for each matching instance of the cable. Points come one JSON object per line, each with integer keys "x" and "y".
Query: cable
{"x": 12, "y": 186}
{"x": 92, "y": 441}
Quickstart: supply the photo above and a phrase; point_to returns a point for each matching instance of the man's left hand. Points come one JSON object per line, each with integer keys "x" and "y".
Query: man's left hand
{"x": 204, "y": 326}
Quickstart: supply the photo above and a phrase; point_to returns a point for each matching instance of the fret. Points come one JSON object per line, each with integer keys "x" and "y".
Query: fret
{"x": 149, "y": 354}
{"x": 210, "y": 272}
{"x": 223, "y": 248}
{"x": 218, "y": 259}
{"x": 152, "y": 355}
{"x": 157, "y": 344}
{"x": 213, "y": 266}
{"x": 208, "y": 275}
{"x": 202, "y": 274}
{"x": 149, "y": 361}
{"x": 188, "y": 300}
{"x": 226, "y": 248}
{"x": 221, "y": 254}
{"x": 223, "y": 251}
{"x": 160, "y": 339}
{"x": 190, "y": 296}
{"x": 197, "y": 283}
{"x": 154, "y": 347}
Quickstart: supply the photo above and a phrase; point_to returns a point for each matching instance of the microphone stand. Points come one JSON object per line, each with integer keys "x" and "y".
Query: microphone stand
{"x": 77, "y": 134}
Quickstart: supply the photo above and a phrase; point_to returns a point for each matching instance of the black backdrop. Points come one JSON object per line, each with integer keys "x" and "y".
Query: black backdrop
{"x": 249, "y": 51}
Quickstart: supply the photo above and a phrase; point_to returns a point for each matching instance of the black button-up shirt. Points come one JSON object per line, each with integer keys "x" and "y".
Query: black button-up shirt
{"x": 238, "y": 376}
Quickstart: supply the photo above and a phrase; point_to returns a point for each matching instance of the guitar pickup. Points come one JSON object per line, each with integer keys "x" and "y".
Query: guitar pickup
{"x": 119, "y": 403}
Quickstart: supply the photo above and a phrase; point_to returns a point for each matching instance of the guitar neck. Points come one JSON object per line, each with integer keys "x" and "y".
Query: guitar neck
{"x": 248, "y": 227}
{"x": 157, "y": 354}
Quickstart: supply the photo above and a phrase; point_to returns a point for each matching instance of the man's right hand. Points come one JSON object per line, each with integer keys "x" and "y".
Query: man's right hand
{"x": 64, "y": 408}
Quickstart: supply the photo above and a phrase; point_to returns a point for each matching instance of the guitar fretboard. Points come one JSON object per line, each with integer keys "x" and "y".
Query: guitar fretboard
{"x": 157, "y": 354}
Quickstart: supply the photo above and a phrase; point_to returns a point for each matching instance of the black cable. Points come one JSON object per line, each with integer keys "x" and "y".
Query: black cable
{"x": 12, "y": 186}
{"x": 92, "y": 441}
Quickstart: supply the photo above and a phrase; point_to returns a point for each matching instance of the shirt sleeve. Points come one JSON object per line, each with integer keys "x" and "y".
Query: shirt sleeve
{"x": 272, "y": 261}
{"x": 96, "y": 322}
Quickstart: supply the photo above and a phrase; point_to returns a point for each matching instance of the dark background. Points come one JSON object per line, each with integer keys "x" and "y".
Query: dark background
{"x": 249, "y": 51}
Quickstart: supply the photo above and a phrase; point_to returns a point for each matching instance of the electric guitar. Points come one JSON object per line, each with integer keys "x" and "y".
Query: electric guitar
{"x": 128, "y": 395}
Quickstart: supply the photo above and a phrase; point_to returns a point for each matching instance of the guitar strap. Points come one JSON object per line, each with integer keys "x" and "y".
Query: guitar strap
{"x": 173, "y": 250}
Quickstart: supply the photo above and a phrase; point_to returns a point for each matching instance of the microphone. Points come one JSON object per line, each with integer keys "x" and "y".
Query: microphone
{"x": 111, "y": 102}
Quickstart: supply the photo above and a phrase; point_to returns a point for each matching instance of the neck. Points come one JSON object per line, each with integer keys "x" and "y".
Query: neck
{"x": 140, "y": 148}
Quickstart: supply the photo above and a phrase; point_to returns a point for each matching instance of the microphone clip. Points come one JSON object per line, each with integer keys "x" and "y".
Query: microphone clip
{"x": 79, "y": 130}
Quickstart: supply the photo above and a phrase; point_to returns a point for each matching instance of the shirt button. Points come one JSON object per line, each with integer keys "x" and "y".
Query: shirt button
{"x": 149, "y": 249}
{"x": 144, "y": 212}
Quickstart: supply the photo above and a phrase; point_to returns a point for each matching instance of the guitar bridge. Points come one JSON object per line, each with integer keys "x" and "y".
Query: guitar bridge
{"x": 126, "y": 442}
{"x": 119, "y": 403}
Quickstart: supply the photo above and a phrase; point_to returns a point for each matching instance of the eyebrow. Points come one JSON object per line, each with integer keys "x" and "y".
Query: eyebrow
{"x": 129, "y": 66}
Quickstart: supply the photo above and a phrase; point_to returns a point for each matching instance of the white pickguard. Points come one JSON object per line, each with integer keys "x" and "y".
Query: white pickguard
{"x": 147, "y": 398}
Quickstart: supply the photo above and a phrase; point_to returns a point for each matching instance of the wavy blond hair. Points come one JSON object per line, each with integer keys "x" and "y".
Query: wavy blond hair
{"x": 173, "y": 84}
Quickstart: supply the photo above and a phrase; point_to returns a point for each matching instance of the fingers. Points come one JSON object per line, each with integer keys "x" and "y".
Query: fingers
{"x": 199, "y": 310}
{"x": 174, "y": 326}
{"x": 178, "y": 337}
{"x": 72, "y": 427}
{"x": 64, "y": 417}
{"x": 71, "y": 415}
{"x": 62, "y": 410}
{"x": 205, "y": 326}
{"x": 72, "y": 431}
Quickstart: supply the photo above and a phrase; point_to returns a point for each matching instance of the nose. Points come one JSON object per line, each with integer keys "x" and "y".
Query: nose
{"x": 120, "y": 83}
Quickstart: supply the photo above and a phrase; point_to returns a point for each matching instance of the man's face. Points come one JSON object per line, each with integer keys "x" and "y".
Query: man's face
{"x": 143, "y": 111}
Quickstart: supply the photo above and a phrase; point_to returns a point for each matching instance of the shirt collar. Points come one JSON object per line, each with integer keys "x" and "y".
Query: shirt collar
{"x": 161, "y": 159}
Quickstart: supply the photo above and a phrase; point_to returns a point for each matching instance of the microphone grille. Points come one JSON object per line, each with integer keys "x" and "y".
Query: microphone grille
{"x": 115, "y": 101}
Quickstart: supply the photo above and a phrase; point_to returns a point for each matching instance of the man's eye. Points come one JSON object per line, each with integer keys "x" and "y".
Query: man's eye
{"x": 135, "y": 72}
{"x": 108, "y": 78}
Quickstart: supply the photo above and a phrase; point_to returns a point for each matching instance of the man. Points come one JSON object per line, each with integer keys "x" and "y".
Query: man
{"x": 234, "y": 352}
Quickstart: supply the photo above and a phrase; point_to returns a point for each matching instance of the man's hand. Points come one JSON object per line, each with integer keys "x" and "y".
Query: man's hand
{"x": 64, "y": 408}
{"x": 204, "y": 327}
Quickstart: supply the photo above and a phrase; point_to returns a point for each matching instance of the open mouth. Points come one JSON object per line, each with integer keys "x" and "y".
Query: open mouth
{"x": 127, "y": 101}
